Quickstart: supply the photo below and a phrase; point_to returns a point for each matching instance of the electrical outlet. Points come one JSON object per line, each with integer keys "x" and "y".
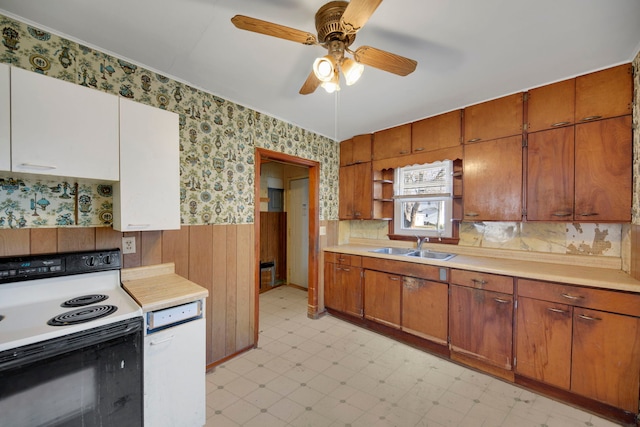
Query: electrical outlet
{"x": 128, "y": 245}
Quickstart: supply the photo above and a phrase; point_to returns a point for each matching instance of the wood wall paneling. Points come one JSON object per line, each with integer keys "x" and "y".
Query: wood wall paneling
{"x": 43, "y": 240}
{"x": 175, "y": 249}
{"x": 150, "y": 247}
{"x": 76, "y": 239}
{"x": 201, "y": 272}
{"x": 14, "y": 242}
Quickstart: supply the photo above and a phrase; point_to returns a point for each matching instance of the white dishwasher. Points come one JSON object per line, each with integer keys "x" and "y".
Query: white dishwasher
{"x": 174, "y": 366}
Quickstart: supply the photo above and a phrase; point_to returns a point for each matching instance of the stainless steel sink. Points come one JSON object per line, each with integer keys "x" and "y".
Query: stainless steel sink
{"x": 393, "y": 251}
{"x": 426, "y": 253}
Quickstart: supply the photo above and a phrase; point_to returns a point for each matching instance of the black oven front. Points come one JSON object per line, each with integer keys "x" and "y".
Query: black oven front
{"x": 88, "y": 378}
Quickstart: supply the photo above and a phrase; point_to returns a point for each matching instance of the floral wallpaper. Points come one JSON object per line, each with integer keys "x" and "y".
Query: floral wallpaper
{"x": 217, "y": 141}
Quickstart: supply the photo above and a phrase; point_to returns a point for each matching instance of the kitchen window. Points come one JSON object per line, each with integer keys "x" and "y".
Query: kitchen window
{"x": 423, "y": 200}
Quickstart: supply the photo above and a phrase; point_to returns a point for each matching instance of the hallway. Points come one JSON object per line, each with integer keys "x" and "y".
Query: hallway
{"x": 328, "y": 372}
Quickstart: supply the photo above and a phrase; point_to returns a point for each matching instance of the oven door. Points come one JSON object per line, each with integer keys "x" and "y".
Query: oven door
{"x": 90, "y": 378}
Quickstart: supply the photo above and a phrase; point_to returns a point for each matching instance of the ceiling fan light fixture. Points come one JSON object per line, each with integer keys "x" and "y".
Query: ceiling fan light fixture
{"x": 332, "y": 85}
{"x": 324, "y": 68}
{"x": 352, "y": 70}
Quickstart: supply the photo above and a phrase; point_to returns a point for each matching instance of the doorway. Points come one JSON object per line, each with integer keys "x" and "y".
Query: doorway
{"x": 312, "y": 235}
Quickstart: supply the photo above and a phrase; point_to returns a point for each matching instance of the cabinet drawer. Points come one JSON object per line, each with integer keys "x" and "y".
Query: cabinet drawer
{"x": 343, "y": 259}
{"x": 422, "y": 271}
{"x": 600, "y": 299}
{"x": 486, "y": 281}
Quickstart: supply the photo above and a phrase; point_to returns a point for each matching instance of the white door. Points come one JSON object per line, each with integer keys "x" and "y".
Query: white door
{"x": 298, "y": 232}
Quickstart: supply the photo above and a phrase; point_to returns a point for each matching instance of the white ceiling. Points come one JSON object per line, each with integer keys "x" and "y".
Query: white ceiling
{"x": 468, "y": 51}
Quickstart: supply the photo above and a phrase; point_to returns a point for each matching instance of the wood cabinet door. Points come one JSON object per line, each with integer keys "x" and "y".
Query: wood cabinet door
{"x": 361, "y": 152}
{"x": 434, "y": 133}
{"x": 606, "y": 357}
{"x": 346, "y": 182}
{"x": 346, "y": 152}
{"x": 392, "y": 142}
{"x": 603, "y": 170}
{"x": 543, "y": 341}
{"x": 350, "y": 280}
{"x": 551, "y": 106}
{"x": 425, "y": 309}
{"x": 550, "y": 167}
{"x": 382, "y": 297}
{"x": 603, "y": 94}
{"x": 492, "y": 179}
{"x": 498, "y": 118}
{"x": 362, "y": 191}
{"x": 481, "y": 325}
{"x": 332, "y": 291}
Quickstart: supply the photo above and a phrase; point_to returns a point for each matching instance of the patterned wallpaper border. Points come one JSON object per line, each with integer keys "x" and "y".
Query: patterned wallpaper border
{"x": 217, "y": 141}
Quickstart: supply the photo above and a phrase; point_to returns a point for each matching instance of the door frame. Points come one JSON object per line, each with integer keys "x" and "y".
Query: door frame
{"x": 314, "y": 228}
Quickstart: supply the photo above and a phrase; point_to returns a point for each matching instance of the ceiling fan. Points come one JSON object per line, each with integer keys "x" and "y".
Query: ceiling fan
{"x": 337, "y": 23}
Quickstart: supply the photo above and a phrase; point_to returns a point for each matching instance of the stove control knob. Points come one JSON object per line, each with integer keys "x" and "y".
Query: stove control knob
{"x": 106, "y": 259}
{"x": 91, "y": 261}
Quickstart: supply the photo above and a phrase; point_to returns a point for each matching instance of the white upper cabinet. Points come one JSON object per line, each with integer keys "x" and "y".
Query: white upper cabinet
{"x": 62, "y": 129}
{"x": 5, "y": 119}
{"x": 147, "y": 197}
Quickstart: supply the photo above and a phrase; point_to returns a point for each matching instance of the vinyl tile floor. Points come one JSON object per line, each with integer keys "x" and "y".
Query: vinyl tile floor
{"x": 328, "y": 372}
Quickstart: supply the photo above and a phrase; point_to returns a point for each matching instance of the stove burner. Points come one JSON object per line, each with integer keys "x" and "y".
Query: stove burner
{"x": 84, "y": 300}
{"x": 82, "y": 315}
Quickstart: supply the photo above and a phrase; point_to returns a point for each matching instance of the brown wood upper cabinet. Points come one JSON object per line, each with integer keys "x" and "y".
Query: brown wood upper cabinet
{"x": 600, "y": 95}
{"x": 434, "y": 133}
{"x": 498, "y": 118}
{"x": 493, "y": 180}
{"x": 392, "y": 142}
{"x": 551, "y": 106}
{"x": 356, "y": 192}
{"x": 603, "y": 94}
{"x": 581, "y": 172}
{"x": 356, "y": 150}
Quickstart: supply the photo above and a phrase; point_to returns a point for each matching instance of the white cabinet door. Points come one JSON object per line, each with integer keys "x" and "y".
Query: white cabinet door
{"x": 174, "y": 376}
{"x": 148, "y": 194}
{"x": 61, "y": 128}
{"x": 5, "y": 119}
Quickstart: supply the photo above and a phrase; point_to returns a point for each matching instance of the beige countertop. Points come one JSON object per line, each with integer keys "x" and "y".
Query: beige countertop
{"x": 157, "y": 286}
{"x": 548, "y": 269}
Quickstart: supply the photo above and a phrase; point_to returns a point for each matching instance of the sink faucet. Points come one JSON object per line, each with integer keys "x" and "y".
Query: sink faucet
{"x": 421, "y": 240}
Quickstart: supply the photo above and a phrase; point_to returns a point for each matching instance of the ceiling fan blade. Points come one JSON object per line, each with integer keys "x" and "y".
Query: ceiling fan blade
{"x": 385, "y": 61}
{"x": 357, "y": 14}
{"x": 310, "y": 85}
{"x": 275, "y": 30}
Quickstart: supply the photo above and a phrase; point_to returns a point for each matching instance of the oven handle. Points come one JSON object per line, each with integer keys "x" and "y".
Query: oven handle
{"x": 163, "y": 340}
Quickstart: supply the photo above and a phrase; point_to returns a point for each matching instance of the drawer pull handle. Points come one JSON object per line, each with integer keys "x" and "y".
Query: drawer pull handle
{"x": 572, "y": 297}
{"x": 474, "y": 140}
{"x": 169, "y": 338}
{"x": 557, "y": 310}
{"x": 588, "y": 119}
{"x": 471, "y": 214}
{"x": 560, "y": 124}
{"x": 341, "y": 259}
{"x": 478, "y": 282}
{"x": 346, "y": 269}
{"x": 501, "y": 301}
{"x": 404, "y": 152}
{"x": 419, "y": 149}
{"x": 589, "y": 214}
{"x": 395, "y": 279}
{"x": 585, "y": 317}
{"x": 36, "y": 166}
{"x": 139, "y": 225}
{"x": 561, "y": 214}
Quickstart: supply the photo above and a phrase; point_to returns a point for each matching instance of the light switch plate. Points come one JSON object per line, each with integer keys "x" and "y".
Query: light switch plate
{"x": 128, "y": 245}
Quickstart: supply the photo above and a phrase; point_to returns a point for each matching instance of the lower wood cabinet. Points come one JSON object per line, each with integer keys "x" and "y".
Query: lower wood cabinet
{"x": 481, "y": 325}
{"x": 382, "y": 297}
{"x": 343, "y": 283}
{"x": 568, "y": 337}
{"x": 425, "y": 309}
